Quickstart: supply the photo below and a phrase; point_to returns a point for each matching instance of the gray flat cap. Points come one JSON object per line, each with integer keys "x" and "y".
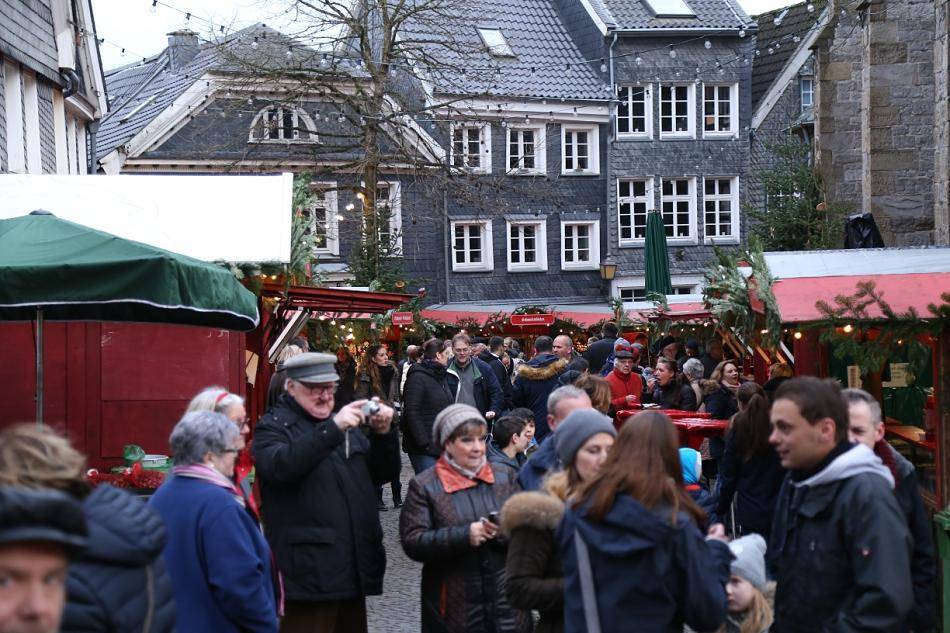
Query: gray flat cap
{"x": 312, "y": 367}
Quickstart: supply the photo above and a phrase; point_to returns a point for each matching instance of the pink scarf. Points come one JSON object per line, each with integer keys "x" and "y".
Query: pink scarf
{"x": 210, "y": 475}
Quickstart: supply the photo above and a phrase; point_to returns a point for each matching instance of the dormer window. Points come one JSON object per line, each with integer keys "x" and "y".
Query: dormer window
{"x": 496, "y": 43}
{"x": 669, "y": 8}
{"x": 281, "y": 124}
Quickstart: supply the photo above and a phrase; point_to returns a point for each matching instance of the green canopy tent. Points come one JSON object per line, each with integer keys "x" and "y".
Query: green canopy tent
{"x": 53, "y": 269}
{"x": 657, "y": 265}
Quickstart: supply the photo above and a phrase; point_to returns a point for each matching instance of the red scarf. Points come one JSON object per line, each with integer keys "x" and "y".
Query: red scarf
{"x": 453, "y": 481}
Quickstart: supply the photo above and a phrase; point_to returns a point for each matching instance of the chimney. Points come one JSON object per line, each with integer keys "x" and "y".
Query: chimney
{"x": 183, "y": 45}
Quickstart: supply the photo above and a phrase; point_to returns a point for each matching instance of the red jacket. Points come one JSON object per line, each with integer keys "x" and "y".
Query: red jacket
{"x": 621, "y": 386}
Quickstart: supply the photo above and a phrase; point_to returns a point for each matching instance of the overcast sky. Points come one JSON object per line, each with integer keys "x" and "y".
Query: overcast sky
{"x": 132, "y": 24}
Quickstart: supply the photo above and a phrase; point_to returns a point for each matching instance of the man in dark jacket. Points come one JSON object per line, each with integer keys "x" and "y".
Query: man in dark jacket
{"x": 712, "y": 357}
{"x": 597, "y": 353}
{"x": 867, "y": 427}
{"x": 472, "y": 381}
{"x": 840, "y": 548}
{"x": 536, "y": 380}
{"x": 424, "y": 395}
{"x": 319, "y": 498}
{"x": 560, "y": 404}
{"x": 492, "y": 356}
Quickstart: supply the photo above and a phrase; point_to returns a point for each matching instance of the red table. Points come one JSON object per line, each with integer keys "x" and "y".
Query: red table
{"x": 693, "y": 427}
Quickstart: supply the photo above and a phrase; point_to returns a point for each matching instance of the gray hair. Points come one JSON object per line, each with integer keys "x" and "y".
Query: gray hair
{"x": 287, "y": 353}
{"x": 854, "y": 396}
{"x": 693, "y": 369}
{"x": 217, "y": 399}
{"x": 199, "y": 433}
{"x": 567, "y": 392}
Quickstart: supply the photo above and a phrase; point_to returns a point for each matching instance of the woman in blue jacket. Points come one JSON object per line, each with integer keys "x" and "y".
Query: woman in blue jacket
{"x": 634, "y": 559}
{"x": 216, "y": 556}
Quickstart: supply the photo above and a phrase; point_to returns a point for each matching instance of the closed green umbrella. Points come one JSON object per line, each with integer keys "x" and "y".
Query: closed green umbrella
{"x": 657, "y": 265}
{"x": 55, "y": 269}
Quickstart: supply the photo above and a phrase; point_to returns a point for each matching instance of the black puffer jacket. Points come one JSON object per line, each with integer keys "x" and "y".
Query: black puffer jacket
{"x": 424, "y": 396}
{"x": 840, "y": 549}
{"x": 319, "y": 505}
{"x": 667, "y": 398}
{"x": 463, "y": 587}
{"x": 120, "y": 584}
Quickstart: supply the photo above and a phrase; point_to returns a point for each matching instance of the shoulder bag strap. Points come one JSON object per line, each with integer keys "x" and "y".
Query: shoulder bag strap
{"x": 588, "y": 594}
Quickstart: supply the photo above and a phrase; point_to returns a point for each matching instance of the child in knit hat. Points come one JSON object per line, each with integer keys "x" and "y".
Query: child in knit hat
{"x": 750, "y": 594}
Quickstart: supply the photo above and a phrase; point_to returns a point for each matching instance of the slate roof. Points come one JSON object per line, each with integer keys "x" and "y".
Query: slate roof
{"x": 128, "y": 87}
{"x": 795, "y": 20}
{"x": 635, "y": 14}
{"x": 539, "y": 40}
{"x": 26, "y": 35}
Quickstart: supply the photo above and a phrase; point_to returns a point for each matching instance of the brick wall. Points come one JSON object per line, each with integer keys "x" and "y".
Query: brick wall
{"x": 680, "y": 158}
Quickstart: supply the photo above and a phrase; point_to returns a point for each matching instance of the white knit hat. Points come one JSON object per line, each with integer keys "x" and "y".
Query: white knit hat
{"x": 451, "y": 418}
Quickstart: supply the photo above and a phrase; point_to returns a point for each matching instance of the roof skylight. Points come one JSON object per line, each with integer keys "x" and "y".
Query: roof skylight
{"x": 495, "y": 42}
{"x": 669, "y": 8}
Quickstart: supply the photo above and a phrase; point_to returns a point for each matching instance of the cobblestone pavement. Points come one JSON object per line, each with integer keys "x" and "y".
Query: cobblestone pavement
{"x": 397, "y": 610}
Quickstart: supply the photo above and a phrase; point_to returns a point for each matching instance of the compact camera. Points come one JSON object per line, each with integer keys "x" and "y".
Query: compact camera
{"x": 369, "y": 409}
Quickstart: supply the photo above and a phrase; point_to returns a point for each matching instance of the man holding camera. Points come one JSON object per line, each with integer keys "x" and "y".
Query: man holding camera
{"x": 319, "y": 502}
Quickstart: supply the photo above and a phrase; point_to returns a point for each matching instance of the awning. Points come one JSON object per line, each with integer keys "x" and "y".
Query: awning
{"x": 336, "y": 299}
{"x": 583, "y": 314}
{"x": 797, "y": 297}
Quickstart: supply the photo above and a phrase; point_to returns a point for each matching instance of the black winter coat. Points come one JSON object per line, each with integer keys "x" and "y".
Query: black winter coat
{"x": 463, "y": 587}
{"x": 319, "y": 507}
{"x": 666, "y": 396}
{"x": 487, "y": 391}
{"x": 120, "y": 584}
{"x": 424, "y": 395}
{"x": 535, "y": 577}
{"x": 596, "y": 355}
{"x": 754, "y": 483}
{"x": 721, "y": 404}
{"x": 504, "y": 379}
{"x": 840, "y": 549}
{"x": 536, "y": 380}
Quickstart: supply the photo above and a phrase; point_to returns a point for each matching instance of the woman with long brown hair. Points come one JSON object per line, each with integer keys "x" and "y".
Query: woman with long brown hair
{"x": 668, "y": 388}
{"x": 750, "y": 470}
{"x": 631, "y": 548}
{"x": 378, "y": 377}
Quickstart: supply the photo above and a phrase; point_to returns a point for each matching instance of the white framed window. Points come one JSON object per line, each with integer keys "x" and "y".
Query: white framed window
{"x": 678, "y": 208}
{"x": 389, "y": 212}
{"x": 471, "y": 147}
{"x": 526, "y": 152}
{"x": 721, "y": 210}
{"x": 527, "y": 246}
{"x": 580, "y": 150}
{"x": 807, "y": 85}
{"x": 13, "y": 98}
{"x": 677, "y": 111}
{"x": 634, "y": 201}
{"x": 638, "y": 293}
{"x": 495, "y": 42}
{"x": 720, "y": 110}
{"x": 472, "y": 246}
{"x": 323, "y": 216}
{"x": 580, "y": 245}
{"x": 282, "y": 124}
{"x": 635, "y": 111}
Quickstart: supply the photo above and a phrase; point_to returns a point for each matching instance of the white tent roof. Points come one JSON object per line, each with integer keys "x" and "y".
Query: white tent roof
{"x": 859, "y": 261}
{"x": 208, "y": 217}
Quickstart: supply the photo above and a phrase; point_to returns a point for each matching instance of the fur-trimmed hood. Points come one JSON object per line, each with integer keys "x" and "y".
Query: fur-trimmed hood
{"x": 542, "y": 368}
{"x": 537, "y": 510}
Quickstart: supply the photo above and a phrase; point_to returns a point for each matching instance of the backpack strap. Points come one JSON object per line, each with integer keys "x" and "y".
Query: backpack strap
{"x": 588, "y": 593}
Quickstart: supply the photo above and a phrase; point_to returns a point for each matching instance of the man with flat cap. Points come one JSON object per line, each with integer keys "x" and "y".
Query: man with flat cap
{"x": 40, "y": 531}
{"x": 319, "y": 499}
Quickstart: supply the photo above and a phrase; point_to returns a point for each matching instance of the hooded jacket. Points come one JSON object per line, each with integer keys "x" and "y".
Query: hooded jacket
{"x": 535, "y": 578}
{"x": 425, "y": 394}
{"x": 536, "y": 380}
{"x": 498, "y": 456}
{"x": 646, "y": 569}
{"x": 120, "y": 582}
{"x": 840, "y": 548}
{"x": 487, "y": 391}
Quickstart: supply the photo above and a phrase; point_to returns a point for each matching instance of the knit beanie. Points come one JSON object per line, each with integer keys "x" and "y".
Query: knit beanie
{"x": 451, "y": 418}
{"x": 750, "y": 559}
{"x": 577, "y": 428}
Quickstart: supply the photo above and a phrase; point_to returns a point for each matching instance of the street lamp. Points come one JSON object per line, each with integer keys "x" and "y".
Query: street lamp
{"x": 608, "y": 268}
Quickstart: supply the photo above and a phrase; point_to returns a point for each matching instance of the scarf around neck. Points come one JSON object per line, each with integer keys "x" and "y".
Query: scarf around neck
{"x": 210, "y": 475}
{"x": 455, "y": 477}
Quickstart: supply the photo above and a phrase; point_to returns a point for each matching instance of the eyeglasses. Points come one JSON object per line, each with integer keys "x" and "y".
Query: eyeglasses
{"x": 231, "y": 450}
{"x": 318, "y": 390}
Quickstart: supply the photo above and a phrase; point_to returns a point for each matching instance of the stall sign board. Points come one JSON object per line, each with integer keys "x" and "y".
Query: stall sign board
{"x": 402, "y": 318}
{"x": 532, "y": 319}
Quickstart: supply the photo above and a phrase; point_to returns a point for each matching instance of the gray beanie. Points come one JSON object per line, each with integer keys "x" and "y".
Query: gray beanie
{"x": 750, "y": 559}
{"x": 451, "y": 418}
{"x": 577, "y": 428}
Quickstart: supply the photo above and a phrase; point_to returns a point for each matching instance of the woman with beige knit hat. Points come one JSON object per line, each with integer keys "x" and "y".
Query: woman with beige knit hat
{"x": 450, "y": 523}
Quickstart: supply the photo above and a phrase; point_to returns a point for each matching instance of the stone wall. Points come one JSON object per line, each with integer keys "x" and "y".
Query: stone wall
{"x": 942, "y": 123}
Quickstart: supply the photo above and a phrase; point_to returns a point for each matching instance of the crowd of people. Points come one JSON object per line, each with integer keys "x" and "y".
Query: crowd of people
{"x": 531, "y": 507}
